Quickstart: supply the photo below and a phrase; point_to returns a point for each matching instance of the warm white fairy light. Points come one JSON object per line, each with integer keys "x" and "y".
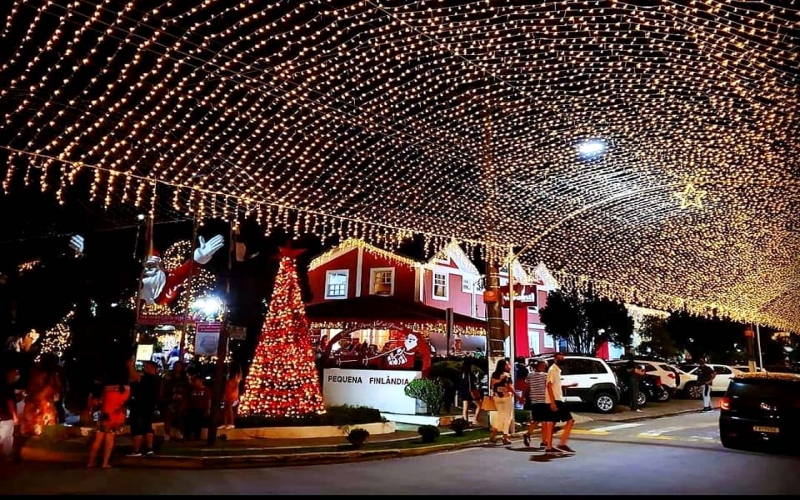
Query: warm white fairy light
{"x": 57, "y": 339}
{"x": 372, "y": 120}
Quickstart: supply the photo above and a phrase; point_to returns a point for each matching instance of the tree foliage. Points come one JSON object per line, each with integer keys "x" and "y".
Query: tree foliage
{"x": 586, "y": 321}
{"x": 656, "y": 339}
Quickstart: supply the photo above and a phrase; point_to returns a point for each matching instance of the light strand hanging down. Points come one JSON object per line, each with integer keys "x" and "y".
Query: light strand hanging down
{"x": 484, "y": 122}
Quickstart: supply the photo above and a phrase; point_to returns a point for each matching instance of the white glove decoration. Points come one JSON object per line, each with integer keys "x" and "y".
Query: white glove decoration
{"x": 76, "y": 244}
{"x": 207, "y": 249}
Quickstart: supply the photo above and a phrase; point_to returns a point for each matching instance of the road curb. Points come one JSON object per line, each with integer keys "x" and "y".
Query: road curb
{"x": 33, "y": 454}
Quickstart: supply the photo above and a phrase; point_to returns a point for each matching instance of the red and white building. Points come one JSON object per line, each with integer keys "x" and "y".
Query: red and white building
{"x": 358, "y": 283}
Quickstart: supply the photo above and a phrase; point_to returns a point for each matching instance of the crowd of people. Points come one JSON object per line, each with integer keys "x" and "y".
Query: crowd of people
{"x": 123, "y": 394}
{"x": 539, "y": 391}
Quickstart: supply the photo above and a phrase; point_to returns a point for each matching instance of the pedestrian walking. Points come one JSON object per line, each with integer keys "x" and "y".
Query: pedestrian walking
{"x": 503, "y": 391}
{"x": 635, "y": 374}
{"x": 198, "y": 409}
{"x": 468, "y": 391}
{"x": 174, "y": 395}
{"x": 231, "y": 396}
{"x": 536, "y": 390}
{"x": 8, "y": 413}
{"x": 145, "y": 391}
{"x": 705, "y": 376}
{"x": 555, "y": 398}
{"x": 116, "y": 392}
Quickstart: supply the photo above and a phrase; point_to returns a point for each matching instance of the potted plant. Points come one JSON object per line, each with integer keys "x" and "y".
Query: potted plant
{"x": 429, "y": 433}
{"x": 357, "y": 437}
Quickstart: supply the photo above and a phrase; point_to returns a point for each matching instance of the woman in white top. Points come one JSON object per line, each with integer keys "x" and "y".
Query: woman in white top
{"x": 503, "y": 391}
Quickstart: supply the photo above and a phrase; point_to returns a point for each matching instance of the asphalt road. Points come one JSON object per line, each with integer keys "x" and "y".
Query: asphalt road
{"x": 677, "y": 455}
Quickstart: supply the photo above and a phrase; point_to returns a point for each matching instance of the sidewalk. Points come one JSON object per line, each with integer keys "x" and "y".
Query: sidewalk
{"x": 253, "y": 452}
{"x": 285, "y": 452}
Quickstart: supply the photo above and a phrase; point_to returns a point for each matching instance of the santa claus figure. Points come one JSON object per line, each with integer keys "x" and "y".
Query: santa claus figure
{"x": 158, "y": 285}
{"x": 403, "y": 356}
{"x": 162, "y": 287}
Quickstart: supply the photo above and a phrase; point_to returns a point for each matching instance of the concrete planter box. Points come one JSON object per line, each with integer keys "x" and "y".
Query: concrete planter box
{"x": 322, "y": 431}
{"x": 265, "y": 432}
{"x": 441, "y": 420}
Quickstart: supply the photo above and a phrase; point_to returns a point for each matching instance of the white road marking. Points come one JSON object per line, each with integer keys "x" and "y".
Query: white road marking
{"x": 665, "y": 430}
{"x": 617, "y": 427}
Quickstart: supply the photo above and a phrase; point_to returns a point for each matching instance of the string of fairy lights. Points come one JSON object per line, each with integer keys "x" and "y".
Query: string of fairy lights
{"x": 376, "y": 120}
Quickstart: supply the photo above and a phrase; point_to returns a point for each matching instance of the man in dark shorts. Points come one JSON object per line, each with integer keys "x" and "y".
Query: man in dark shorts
{"x": 555, "y": 398}
{"x": 144, "y": 398}
{"x": 536, "y": 389}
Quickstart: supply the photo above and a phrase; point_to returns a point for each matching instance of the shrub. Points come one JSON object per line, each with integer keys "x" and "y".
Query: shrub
{"x": 522, "y": 416}
{"x": 334, "y": 416}
{"x": 357, "y": 436}
{"x": 458, "y": 425}
{"x": 429, "y": 433}
{"x": 429, "y": 391}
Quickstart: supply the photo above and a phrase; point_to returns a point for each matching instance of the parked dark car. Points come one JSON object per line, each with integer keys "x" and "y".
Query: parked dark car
{"x": 761, "y": 409}
{"x": 650, "y": 387}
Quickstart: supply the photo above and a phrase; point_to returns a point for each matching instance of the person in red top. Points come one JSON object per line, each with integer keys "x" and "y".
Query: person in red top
{"x": 231, "y": 396}
{"x": 116, "y": 392}
{"x": 198, "y": 409}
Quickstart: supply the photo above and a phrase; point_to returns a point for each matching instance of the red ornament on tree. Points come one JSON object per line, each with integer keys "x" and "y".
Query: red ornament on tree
{"x": 283, "y": 380}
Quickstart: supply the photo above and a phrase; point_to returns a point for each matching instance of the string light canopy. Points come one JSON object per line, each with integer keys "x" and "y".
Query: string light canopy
{"x": 468, "y": 119}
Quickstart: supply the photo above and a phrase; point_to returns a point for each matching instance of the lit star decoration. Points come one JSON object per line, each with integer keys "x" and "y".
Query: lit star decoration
{"x": 375, "y": 120}
{"x": 283, "y": 381}
{"x": 57, "y": 339}
{"x": 691, "y": 196}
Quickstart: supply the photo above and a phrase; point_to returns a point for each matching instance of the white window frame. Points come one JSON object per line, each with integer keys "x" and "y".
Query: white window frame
{"x": 467, "y": 283}
{"x": 372, "y": 275}
{"x": 328, "y": 275}
{"x": 446, "y": 295}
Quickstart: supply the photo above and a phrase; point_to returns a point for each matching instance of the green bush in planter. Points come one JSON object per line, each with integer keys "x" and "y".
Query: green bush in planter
{"x": 357, "y": 436}
{"x": 458, "y": 425}
{"x": 429, "y": 433}
{"x": 522, "y": 416}
{"x": 429, "y": 391}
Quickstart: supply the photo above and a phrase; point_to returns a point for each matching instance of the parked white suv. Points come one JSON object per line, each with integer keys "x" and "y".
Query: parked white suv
{"x": 687, "y": 384}
{"x": 595, "y": 382}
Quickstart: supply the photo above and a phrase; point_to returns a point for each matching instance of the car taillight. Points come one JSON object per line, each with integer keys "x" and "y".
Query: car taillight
{"x": 725, "y": 404}
{"x": 671, "y": 375}
{"x": 658, "y": 381}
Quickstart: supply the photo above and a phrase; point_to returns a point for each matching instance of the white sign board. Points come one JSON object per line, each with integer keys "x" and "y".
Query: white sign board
{"x": 379, "y": 389}
{"x": 144, "y": 352}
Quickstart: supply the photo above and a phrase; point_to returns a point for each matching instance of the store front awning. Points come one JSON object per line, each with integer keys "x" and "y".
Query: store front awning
{"x": 372, "y": 308}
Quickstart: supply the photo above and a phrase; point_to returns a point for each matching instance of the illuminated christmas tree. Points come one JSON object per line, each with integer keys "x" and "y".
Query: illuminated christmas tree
{"x": 283, "y": 379}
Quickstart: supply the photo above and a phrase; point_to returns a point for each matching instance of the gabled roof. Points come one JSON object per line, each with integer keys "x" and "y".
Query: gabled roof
{"x": 453, "y": 251}
{"x": 351, "y": 244}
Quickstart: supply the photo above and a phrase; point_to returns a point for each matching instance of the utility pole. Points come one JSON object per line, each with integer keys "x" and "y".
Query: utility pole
{"x": 758, "y": 342}
{"x": 222, "y": 348}
{"x": 184, "y": 323}
{"x": 751, "y": 359}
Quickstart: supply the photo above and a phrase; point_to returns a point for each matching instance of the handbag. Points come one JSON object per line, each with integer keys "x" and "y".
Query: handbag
{"x": 488, "y": 404}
